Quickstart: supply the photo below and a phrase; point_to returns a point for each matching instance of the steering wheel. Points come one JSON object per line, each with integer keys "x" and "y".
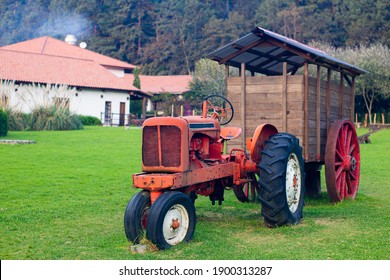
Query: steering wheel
{"x": 220, "y": 108}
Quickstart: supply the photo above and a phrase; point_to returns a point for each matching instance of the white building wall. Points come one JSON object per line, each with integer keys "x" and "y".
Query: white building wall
{"x": 85, "y": 101}
{"x": 92, "y": 102}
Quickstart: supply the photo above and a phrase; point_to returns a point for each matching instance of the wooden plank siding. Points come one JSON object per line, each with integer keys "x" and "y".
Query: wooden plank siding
{"x": 267, "y": 97}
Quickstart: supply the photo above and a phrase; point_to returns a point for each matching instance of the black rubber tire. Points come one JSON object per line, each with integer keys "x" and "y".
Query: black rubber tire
{"x": 253, "y": 193}
{"x": 273, "y": 172}
{"x": 158, "y": 211}
{"x": 135, "y": 215}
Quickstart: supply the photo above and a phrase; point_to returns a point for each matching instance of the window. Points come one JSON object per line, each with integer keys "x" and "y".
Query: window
{"x": 107, "y": 113}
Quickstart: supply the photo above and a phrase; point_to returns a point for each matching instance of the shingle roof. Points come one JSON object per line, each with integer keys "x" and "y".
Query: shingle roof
{"x": 163, "y": 84}
{"x": 264, "y": 51}
{"x": 50, "y": 46}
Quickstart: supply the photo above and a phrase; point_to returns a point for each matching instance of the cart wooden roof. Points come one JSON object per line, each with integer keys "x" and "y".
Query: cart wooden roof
{"x": 264, "y": 51}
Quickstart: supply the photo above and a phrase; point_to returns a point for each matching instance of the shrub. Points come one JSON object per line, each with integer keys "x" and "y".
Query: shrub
{"x": 3, "y": 123}
{"x": 90, "y": 120}
{"x": 53, "y": 118}
{"x": 18, "y": 121}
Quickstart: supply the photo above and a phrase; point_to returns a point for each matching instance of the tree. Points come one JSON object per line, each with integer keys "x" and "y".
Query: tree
{"x": 373, "y": 85}
{"x": 136, "y": 81}
{"x": 376, "y": 83}
{"x": 178, "y": 27}
{"x": 219, "y": 32}
{"x": 208, "y": 79}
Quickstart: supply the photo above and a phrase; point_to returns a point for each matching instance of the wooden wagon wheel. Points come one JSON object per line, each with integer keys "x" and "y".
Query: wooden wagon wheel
{"x": 342, "y": 161}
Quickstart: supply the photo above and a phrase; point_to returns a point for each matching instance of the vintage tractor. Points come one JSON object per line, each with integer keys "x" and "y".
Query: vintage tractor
{"x": 183, "y": 157}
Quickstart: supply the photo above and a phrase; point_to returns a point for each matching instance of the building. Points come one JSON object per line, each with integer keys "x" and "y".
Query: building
{"x": 101, "y": 86}
{"x": 173, "y": 84}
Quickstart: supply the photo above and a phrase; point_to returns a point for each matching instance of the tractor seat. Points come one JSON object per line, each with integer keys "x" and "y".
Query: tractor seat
{"x": 228, "y": 133}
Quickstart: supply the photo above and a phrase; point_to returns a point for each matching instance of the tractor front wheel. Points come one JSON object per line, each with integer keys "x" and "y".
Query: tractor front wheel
{"x": 282, "y": 180}
{"x": 171, "y": 220}
{"x": 136, "y": 215}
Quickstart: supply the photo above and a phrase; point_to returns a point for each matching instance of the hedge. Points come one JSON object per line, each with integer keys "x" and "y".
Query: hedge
{"x": 3, "y": 123}
{"x": 90, "y": 120}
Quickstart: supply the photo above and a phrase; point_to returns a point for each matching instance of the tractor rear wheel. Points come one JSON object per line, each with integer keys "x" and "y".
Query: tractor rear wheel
{"x": 136, "y": 215}
{"x": 282, "y": 180}
{"x": 171, "y": 220}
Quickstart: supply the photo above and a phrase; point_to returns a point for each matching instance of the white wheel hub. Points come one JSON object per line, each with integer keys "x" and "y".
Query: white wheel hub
{"x": 293, "y": 183}
{"x": 175, "y": 225}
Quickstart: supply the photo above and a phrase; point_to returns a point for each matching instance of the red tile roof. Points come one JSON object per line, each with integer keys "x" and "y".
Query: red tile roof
{"x": 51, "y": 61}
{"x": 163, "y": 84}
{"x": 50, "y": 46}
{"x": 38, "y": 68}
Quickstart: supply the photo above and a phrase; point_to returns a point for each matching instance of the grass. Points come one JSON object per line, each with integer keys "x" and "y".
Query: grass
{"x": 64, "y": 198}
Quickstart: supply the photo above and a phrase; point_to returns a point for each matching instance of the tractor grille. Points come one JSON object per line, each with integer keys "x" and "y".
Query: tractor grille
{"x": 170, "y": 146}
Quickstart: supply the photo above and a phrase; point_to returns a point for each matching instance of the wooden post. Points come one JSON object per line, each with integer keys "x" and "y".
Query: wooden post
{"x": 341, "y": 93}
{"x": 226, "y": 80}
{"x": 375, "y": 118}
{"x": 383, "y": 118}
{"x": 243, "y": 101}
{"x": 318, "y": 114}
{"x": 306, "y": 101}
{"x": 328, "y": 79}
{"x": 365, "y": 120}
{"x": 353, "y": 98}
{"x": 284, "y": 97}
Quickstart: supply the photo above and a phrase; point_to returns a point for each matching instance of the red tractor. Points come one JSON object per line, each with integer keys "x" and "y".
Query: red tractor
{"x": 183, "y": 157}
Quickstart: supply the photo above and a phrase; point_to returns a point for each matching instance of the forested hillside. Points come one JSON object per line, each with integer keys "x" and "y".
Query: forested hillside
{"x": 169, "y": 36}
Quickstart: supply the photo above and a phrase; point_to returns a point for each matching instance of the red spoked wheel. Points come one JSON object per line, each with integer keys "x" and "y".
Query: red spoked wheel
{"x": 342, "y": 161}
{"x": 249, "y": 191}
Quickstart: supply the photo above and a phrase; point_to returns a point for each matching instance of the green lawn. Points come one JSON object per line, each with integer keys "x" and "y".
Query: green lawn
{"x": 64, "y": 198}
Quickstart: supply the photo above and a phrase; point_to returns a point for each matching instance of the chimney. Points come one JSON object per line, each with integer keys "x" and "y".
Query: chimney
{"x": 71, "y": 39}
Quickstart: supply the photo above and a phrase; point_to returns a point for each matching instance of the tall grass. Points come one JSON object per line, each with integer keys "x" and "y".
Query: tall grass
{"x": 54, "y": 118}
{"x": 47, "y": 107}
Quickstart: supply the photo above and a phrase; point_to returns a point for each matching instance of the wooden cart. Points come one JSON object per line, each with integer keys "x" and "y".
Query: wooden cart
{"x": 273, "y": 86}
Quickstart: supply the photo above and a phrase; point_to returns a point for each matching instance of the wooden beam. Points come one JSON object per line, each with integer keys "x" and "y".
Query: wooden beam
{"x": 284, "y": 97}
{"x": 347, "y": 79}
{"x": 352, "y": 91}
{"x": 306, "y": 103}
{"x": 291, "y": 49}
{"x": 294, "y": 70}
{"x": 249, "y": 68}
{"x": 226, "y": 79}
{"x": 328, "y": 80}
{"x": 243, "y": 107}
{"x": 341, "y": 93}
{"x": 272, "y": 57}
{"x": 318, "y": 114}
{"x": 240, "y": 51}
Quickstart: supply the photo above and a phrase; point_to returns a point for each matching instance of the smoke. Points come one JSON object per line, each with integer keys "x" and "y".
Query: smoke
{"x": 61, "y": 24}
